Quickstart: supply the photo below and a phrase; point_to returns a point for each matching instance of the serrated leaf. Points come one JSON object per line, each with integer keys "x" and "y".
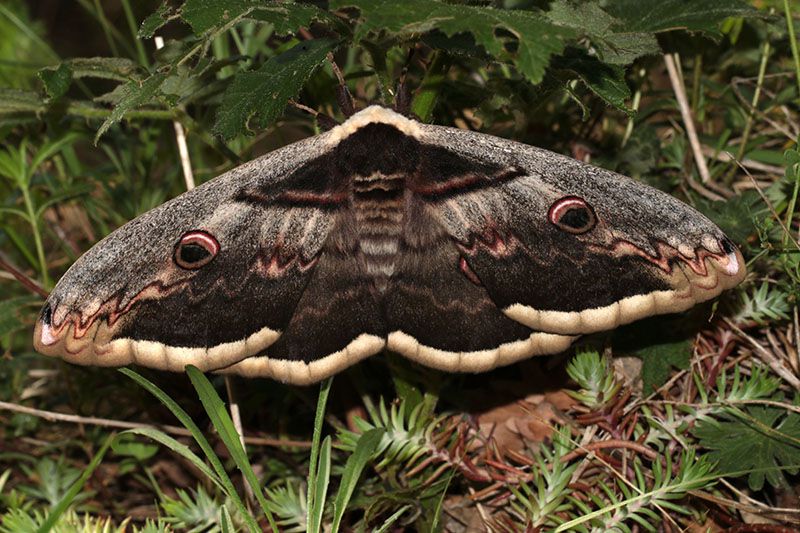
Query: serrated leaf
{"x": 761, "y": 443}
{"x": 536, "y": 37}
{"x": 262, "y": 94}
{"x": 56, "y": 80}
{"x": 606, "y": 81}
{"x": 16, "y": 101}
{"x": 666, "y": 15}
{"x": 203, "y": 15}
{"x": 614, "y": 43}
{"x": 287, "y": 18}
{"x": 366, "y": 446}
{"x": 110, "y": 68}
{"x": 155, "y": 20}
{"x": 132, "y": 95}
{"x": 659, "y": 360}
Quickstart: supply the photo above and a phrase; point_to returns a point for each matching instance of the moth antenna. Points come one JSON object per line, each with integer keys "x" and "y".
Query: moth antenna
{"x": 343, "y": 96}
{"x": 325, "y": 122}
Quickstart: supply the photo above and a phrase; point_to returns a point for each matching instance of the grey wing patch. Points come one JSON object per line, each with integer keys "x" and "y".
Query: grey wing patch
{"x": 645, "y": 253}
{"x": 130, "y": 300}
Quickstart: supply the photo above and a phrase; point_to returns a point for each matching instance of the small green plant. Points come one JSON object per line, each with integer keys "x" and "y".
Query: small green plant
{"x": 595, "y": 377}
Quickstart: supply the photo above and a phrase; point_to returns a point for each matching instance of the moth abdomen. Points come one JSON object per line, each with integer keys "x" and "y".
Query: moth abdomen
{"x": 379, "y": 206}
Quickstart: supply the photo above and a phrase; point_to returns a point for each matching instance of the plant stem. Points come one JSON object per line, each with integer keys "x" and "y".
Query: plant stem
{"x": 697, "y": 74}
{"x": 37, "y": 237}
{"x": 793, "y": 44}
{"x": 762, "y": 69}
{"x": 428, "y": 92}
{"x": 101, "y": 17}
{"x": 131, "y": 19}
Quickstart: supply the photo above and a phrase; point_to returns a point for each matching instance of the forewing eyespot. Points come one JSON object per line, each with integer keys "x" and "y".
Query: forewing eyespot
{"x": 195, "y": 249}
{"x": 572, "y": 214}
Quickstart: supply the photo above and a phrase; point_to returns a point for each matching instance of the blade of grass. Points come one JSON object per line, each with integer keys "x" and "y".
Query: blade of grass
{"x": 316, "y": 506}
{"x": 131, "y": 20}
{"x": 322, "y": 400}
{"x": 221, "y": 420}
{"x": 201, "y": 440}
{"x": 392, "y": 519}
{"x": 76, "y": 487}
{"x": 179, "y": 448}
{"x": 366, "y": 447}
{"x": 793, "y": 44}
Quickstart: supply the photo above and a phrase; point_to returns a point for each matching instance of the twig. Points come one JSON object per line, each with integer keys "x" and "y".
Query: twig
{"x": 612, "y": 443}
{"x": 726, "y": 157}
{"x": 20, "y": 276}
{"x": 53, "y": 416}
{"x": 188, "y": 176}
{"x": 786, "y": 230}
{"x": 781, "y": 128}
{"x": 686, "y": 114}
{"x": 774, "y": 363}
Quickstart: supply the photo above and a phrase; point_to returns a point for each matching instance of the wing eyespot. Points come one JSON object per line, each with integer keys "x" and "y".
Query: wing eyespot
{"x": 195, "y": 249}
{"x": 572, "y": 214}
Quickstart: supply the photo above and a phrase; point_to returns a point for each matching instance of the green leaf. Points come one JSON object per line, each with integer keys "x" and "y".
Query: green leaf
{"x": 666, "y": 15}
{"x": 761, "y": 442}
{"x": 16, "y": 101}
{"x": 659, "y": 360}
{"x": 198, "y": 436}
{"x": 204, "y": 15}
{"x": 134, "y": 94}
{"x": 217, "y": 412}
{"x": 127, "y": 446}
{"x": 323, "y": 475}
{"x": 263, "y": 93}
{"x": 314, "y": 461}
{"x": 536, "y": 37}
{"x": 155, "y": 20}
{"x": 614, "y": 42}
{"x": 110, "y": 68}
{"x": 287, "y": 18}
{"x": 366, "y": 447}
{"x": 179, "y": 448}
{"x": 606, "y": 81}
{"x": 56, "y": 80}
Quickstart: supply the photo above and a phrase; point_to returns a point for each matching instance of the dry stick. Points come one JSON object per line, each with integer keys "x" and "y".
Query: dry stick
{"x": 53, "y": 416}
{"x": 686, "y": 114}
{"x": 186, "y": 163}
{"x": 776, "y": 364}
{"x": 20, "y": 276}
{"x": 786, "y": 231}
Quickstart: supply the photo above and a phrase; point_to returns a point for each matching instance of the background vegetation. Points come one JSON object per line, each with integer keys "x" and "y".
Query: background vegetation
{"x": 687, "y": 422}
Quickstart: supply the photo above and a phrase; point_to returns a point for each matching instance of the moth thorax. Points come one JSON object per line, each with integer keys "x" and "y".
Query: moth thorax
{"x": 378, "y": 203}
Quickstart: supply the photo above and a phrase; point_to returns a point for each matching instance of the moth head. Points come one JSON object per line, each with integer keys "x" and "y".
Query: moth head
{"x": 572, "y": 214}
{"x": 195, "y": 249}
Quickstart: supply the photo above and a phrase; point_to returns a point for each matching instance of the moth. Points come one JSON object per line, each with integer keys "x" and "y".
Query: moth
{"x": 459, "y": 250}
